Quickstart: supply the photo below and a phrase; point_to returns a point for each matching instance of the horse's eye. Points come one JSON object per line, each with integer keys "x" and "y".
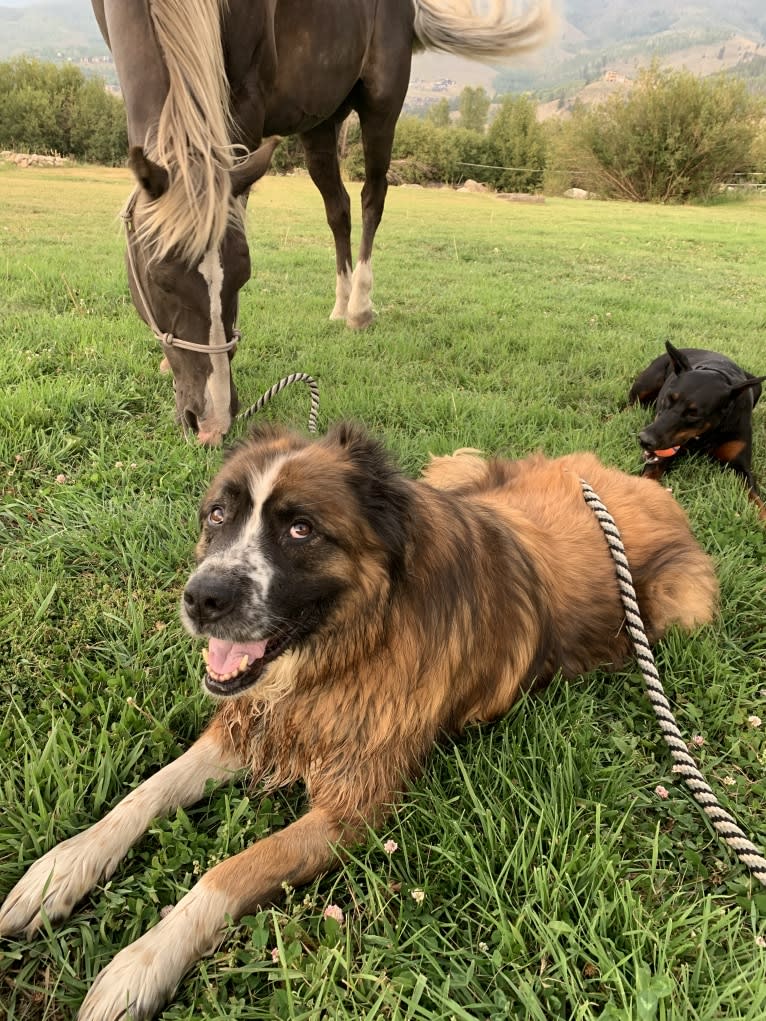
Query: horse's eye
{"x": 300, "y": 530}
{"x": 216, "y": 516}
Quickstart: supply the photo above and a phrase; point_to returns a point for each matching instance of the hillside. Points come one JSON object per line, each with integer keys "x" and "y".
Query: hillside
{"x": 595, "y": 37}
{"x": 705, "y": 36}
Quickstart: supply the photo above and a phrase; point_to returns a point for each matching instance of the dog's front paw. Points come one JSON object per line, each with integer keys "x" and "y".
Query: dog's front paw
{"x": 54, "y": 884}
{"x": 144, "y": 976}
{"x": 138, "y": 982}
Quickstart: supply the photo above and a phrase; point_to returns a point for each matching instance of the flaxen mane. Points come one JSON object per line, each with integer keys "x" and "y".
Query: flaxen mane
{"x": 193, "y": 136}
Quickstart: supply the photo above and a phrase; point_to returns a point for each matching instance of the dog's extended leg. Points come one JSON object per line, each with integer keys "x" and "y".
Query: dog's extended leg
{"x": 737, "y": 456}
{"x": 62, "y": 877}
{"x": 144, "y": 975}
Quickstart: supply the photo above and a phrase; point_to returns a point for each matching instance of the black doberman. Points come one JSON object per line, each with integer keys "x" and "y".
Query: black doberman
{"x": 704, "y": 403}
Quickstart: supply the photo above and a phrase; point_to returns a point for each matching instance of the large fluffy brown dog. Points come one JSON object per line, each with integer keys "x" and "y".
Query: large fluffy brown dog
{"x": 352, "y": 616}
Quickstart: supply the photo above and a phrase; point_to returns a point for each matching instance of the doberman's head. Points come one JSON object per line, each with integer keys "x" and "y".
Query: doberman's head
{"x": 693, "y": 402}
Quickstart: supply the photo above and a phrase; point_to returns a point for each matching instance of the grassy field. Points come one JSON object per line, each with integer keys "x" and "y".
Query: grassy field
{"x": 556, "y": 884}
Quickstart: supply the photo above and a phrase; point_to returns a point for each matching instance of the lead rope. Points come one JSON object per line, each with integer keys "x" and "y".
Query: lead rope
{"x": 294, "y": 377}
{"x": 724, "y": 824}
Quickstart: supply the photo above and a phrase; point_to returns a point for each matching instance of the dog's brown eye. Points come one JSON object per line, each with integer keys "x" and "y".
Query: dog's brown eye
{"x": 300, "y": 530}
{"x": 216, "y": 516}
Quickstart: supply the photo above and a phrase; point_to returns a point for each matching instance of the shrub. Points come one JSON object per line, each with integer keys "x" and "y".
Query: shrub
{"x": 45, "y": 108}
{"x": 673, "y": 137}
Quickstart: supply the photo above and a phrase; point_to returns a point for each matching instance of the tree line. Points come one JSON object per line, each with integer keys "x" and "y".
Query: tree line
{"x": 671, "y": 137}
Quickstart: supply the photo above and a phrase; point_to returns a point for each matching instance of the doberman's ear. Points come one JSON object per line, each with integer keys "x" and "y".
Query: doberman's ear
{"x": 254, "y": 166}
{"x": 738, "y": 388}
{"x": 151, "y": 176}
{"x": 678, "y": 358}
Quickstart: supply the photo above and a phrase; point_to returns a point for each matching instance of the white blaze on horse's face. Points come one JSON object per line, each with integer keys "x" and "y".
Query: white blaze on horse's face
{"x": 216, "y": 418}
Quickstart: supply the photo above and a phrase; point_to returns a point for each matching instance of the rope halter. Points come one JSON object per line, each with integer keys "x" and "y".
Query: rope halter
{"x": 165, "y": 337}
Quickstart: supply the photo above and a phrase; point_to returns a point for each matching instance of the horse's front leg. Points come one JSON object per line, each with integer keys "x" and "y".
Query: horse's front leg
{"x": 63, "y": 876}
{"x": 144, "y": 975}
{"x": 378, "y": 123}
{"x": 321, "y": 147}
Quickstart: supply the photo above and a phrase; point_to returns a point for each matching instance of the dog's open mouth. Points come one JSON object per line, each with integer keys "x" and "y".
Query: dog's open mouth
{"x": 653, "y": 456}
{"x": 233, "y": 667}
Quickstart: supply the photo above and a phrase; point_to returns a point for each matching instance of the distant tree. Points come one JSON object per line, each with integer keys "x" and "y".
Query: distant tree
{"x": 517, "y": 140}
{"x": 474, "y": 107}
{"x": 288, "y": 156}
{"x": 438, "y": 113}
{"x": 758, "y": 151}
{"x": 98, "y": 131}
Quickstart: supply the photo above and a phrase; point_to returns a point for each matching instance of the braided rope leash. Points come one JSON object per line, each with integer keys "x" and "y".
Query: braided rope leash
{"x": 294, "y": 377}
{"x": 724, "y": 824}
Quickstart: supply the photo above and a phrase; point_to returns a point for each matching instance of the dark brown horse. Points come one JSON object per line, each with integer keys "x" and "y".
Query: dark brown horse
{"x": 207, "y": 80}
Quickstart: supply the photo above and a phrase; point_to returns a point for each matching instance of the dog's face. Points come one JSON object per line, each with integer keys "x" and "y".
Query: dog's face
{"x": 687, "y": 407}
{"x": 695, "y": 400}
{"x": 291, "y": 531}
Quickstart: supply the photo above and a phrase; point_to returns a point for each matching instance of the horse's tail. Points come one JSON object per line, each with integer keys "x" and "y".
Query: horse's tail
{"x": 192, "y": 138}
{"x": 454, "y": 26}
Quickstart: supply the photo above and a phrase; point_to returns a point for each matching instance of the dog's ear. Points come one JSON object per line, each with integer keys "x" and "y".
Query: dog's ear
{"x": 739, "y": 388}
{"x": 367, "y": 455}
{"x": 380, "y": 486}
{"x": 680, "y": 362}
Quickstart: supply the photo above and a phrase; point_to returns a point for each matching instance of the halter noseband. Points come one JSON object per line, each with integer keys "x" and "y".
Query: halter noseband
{"x": 167, "y": 339}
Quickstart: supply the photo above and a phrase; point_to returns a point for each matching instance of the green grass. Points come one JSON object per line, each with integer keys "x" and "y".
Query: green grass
{"x": 556, "y": 884}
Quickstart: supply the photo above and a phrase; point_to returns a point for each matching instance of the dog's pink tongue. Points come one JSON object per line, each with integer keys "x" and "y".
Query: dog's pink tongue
{"x": 225, "y": 657}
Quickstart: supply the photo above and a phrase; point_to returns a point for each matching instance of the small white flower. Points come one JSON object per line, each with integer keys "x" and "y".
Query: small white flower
{"x": 418, "y": 896}
{"x": 754, "y": 721}
{"x": 390, "y": 846}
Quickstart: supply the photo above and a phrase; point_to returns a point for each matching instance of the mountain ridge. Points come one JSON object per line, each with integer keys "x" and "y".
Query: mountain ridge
{"x": 593, "y": 37}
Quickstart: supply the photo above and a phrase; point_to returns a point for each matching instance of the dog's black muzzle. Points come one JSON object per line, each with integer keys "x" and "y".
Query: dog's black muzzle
{"x": 210, "y": 597}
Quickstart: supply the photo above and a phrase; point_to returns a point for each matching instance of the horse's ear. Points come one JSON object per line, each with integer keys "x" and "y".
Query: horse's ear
{"x": 254, "y": 166}
{"x": 152, "y": 177}
{"x": 680, "y": 362}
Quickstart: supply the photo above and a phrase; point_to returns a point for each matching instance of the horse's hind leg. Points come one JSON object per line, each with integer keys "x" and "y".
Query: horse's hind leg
{"x": 378, "y": 99}
{"x": 321, "y": 146}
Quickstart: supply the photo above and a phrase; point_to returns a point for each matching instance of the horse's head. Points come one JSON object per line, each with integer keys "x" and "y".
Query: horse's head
{"x": 191, "y": 303}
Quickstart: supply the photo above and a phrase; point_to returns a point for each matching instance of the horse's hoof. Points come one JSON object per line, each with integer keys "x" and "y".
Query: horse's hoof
{"x": 213, "y": 438}
{"x": 360, "y": 321}
{"x": 337, "y": 314}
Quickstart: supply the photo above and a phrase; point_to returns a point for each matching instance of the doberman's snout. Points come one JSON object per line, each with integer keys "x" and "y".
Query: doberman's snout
{"x": 647, "y": 439}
